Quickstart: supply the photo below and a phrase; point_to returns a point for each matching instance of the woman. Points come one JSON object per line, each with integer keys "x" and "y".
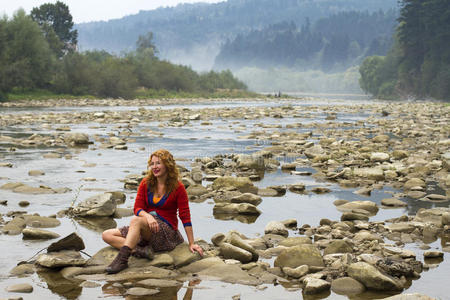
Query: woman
{"x": 154, "y": 227}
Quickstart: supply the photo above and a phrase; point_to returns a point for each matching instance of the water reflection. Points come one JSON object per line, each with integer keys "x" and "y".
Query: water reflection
{"x": 69, "y": 289}
{"x": 246, "y": 219}
{"x": 98, "y": 224}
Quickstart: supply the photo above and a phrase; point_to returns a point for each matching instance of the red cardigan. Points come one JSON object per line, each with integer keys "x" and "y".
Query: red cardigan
{"x": 167, "y": 207}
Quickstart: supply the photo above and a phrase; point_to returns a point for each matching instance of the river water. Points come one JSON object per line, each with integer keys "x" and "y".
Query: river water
{"x": 109, "y": 167}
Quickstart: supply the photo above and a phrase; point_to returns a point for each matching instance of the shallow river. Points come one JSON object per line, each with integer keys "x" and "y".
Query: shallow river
{"x": 186, "y": 143}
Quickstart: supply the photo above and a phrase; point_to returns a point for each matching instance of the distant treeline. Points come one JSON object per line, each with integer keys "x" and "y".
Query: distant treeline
{"x": 36, "y": 54}
{"x": 330, "y": 44}
{"x": 187, "y": 28}
{"x": 418, "y": 64}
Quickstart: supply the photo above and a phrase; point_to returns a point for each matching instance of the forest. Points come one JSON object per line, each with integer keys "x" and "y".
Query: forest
{"x": 38, "y": 53}
{"x": 418, "y": 63}
{"x": 331, "y": 44}
{"x": 193, "y": 33}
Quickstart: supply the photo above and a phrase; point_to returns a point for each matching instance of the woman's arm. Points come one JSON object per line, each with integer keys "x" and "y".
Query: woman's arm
{"x": 192, "y": 246}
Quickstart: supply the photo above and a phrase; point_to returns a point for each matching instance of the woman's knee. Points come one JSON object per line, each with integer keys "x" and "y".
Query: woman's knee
{"x": 108, "y": 235}
{"x": 137, "y": 221}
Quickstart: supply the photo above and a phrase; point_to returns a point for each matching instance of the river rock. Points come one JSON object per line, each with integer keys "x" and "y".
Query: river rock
{"x": 76, "y": 138}
{"x": 296, "y": 256}
{"x": 247, "y": 198}
{"x": 60, "y": 259}
{"x": 433, "y": 254}
{"x": 183, "y": 256}
{"x": 237, "y": 241}
{"x": 20, "y": 288}
{"x": 242, "y": 184}
{"x": 432, "y": 215}
{"x": 15, "y": 226}
{"x": 315, "y": 285}
{"x": 347, "y": 286}
{"x": 393, "y": 202}
{"x": 41, "y": 222}
{"x": 23, "y": 270}
{"x": 38, "y": 234}
{"x": 36, "y": 173}
{"x": 370, "y": 173}
{"x": 295, "y": 241}
{"x": 229, "y": 251}
{"x": 101, "y": 205}
{"x": 196, "y": 190}
{"x": 274, "y": 227}
{"x": 379, "y": 157}
{"x": 245, "y": 161}
{"x": 236, "y": 208}
{"x": 296, "y": 272}
{"x": 338, "y": 246}
{"x": 26, "y": 189}
{"x": 368, "y": 206}
{"x": 71, "y": 242}
{"x": 414, "y": 182}
{"x": 372, "y": 278}
{"x": 314, "y": 151}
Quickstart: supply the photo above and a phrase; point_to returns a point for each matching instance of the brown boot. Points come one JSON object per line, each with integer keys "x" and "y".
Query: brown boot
{"x": 120, "y": 262}
{"x": 143, "y": 252}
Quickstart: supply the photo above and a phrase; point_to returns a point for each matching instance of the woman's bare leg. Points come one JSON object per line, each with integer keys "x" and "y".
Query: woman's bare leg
{"x": 138, "y": 228}
{"x": 113, "y": 237}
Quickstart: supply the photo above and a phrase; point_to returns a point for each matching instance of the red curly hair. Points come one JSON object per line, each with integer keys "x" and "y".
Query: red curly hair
{"x": 172, "y": 171}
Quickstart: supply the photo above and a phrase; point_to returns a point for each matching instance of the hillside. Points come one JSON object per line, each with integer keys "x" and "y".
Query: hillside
{"x": 192, "y": 34}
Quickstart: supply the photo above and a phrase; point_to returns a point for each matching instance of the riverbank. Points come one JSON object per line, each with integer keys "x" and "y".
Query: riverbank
{"x": 356, "y": 186}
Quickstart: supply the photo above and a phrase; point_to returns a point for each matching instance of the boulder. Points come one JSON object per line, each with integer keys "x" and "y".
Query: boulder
{"x": 237, "y": 241}
{"x": 379, "y": 157}
{"x": 38, "y": 234}
{"x": 372, "y": 278}
{"x": 393, "y": 202}
{"x": 369, "y": 173}
{"x": 101, "y": 205}
{"x": 182, "y": 256}
{"x": 274, "y": 227}
{"x": 338, "y": 246}
{"x": 76, "y": 138}
{"x": 247, "y": 198}
{"x": 229, "y": 251}
{"x": 315, "y": 285}
{"x": 296, "y": 256}
{"x": 196, "y": 190}
{"x": 296, "y": 272}
{"x": 414, "y": 182}
{"x": 255, "y": 161}
{"x": 347, "y": 286}
{"x": 295, "y": 241}
{"x": 71, "y": 242}
{"x": 368, "y": 206}
{"x": 20, "y": 288}
{"x": 60, "y": 259}
{"x": 41, "y": 222}
{"x": 242, "y": 184}
{"x": 236, "y": 208}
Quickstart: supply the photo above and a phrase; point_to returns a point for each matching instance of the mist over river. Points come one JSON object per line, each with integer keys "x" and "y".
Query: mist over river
{"x": 210, "y": 137}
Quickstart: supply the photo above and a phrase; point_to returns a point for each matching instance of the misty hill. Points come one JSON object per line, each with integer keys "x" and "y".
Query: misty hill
{"x": 331, "y": 44}
{"x": 193, "y": 33}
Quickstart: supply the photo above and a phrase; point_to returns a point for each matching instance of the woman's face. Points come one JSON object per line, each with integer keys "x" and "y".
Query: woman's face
{"x": 157, "y": 167}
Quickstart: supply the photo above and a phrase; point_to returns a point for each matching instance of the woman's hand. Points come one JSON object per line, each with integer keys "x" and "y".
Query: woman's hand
{"x": 152, "y": 224}
{"x": 195, "y": 247}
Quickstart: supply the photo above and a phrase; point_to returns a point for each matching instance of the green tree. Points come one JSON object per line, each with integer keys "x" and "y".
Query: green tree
{"x": 26, "y": 57}
{"x": 145, "y": 45}
{"x": 56, "y": 21}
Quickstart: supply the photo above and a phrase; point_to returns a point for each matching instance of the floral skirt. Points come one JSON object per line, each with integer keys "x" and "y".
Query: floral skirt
{"x": 165, "y": 239}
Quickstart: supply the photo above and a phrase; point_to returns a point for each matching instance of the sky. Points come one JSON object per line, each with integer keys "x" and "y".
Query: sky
{"x": 95, "y": 10}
